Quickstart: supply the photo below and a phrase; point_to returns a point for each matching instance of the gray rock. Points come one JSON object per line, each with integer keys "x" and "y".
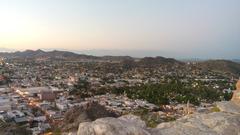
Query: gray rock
{"x": 219, "y": 123}
{"x": 113, "y": 126}
{"x": 226, "y": 122}
{"x": 135, "y": 120}
{"x": 229, "y": 107}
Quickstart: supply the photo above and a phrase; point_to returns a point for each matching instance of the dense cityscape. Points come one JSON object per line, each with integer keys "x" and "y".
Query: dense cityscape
{"x": 40, "y": 93}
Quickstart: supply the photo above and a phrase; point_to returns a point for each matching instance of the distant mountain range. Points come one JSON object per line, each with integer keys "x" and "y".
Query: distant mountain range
{"x": 61, "y": 55}
{"x": 217, "y": 65}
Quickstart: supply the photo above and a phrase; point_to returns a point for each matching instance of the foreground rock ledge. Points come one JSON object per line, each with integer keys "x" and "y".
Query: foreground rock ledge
{"x": 125, "y": 125}
{"x": 226, "y": 122}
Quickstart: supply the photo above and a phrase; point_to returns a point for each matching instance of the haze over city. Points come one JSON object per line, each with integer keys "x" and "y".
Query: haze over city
{"x": 180, "y": 29}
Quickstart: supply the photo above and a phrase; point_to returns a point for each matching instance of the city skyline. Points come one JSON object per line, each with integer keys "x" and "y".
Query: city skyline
{"x": 186, "y": 29}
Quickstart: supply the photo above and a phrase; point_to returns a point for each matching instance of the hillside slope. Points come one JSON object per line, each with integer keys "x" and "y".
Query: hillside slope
{"x": 221, "y": 66}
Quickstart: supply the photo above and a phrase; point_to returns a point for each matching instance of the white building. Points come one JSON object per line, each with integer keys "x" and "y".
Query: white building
{"x": 15, "y": 114}
{"x": 5, "y": 103}
{"x": 62, "y": 106}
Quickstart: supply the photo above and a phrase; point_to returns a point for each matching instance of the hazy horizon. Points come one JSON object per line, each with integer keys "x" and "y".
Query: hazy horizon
{"x": 179, "y": 29}
{"x": 132, "y": 53}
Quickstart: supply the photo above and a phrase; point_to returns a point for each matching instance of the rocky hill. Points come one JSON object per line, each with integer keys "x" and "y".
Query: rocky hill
{"x": 157, "y": 61}
{"x": 224, "y": 122}
{"x": 221, "y": 66}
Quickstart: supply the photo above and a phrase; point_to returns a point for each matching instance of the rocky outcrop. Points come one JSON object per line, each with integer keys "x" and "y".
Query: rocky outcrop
{"x": 225, "y": 122}
{"x": 86, "y": 113}
{"x": 218, "y": 123}
{"x": 127, "y": 125}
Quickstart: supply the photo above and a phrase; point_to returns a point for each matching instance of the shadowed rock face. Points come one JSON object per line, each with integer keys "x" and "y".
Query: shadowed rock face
{"x": 126, "y": 125}
{"x": 87, "y": 113}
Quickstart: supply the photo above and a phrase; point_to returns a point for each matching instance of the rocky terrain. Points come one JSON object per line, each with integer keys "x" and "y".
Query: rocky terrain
{"x": 226, "y": 121}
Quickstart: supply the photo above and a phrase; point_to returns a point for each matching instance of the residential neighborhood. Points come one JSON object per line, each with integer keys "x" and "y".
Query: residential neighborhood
{"x": 35, "y": 95}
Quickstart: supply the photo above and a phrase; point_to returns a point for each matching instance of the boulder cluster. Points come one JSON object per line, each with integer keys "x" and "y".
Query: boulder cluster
{"x": 225, "y": 122}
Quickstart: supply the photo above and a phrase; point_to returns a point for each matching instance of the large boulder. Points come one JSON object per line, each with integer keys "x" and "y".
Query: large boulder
{"x": 126, "y": 125}
{"x": 134, "y": 120}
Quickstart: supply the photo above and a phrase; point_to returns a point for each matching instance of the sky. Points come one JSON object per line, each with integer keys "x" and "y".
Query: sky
{"x": 172, "y": 28}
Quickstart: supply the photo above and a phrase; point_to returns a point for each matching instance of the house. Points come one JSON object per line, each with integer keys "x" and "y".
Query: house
{"x": 40, "y": 118}
{"x": 47, "y": 96}
{"x": 32, "y": 91}
{"x": 20, "y": 120}
{"x": 15, "y": 114}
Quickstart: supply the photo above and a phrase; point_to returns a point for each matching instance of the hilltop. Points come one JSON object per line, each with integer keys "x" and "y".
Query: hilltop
{"x": 221, "y": 66}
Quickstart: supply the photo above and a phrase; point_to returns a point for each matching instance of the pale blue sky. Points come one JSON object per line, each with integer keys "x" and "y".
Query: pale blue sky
{"x": 184, "y": 28}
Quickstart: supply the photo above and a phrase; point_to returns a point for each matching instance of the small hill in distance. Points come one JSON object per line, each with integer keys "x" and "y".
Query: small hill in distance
{"x": 221, "y": 66}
